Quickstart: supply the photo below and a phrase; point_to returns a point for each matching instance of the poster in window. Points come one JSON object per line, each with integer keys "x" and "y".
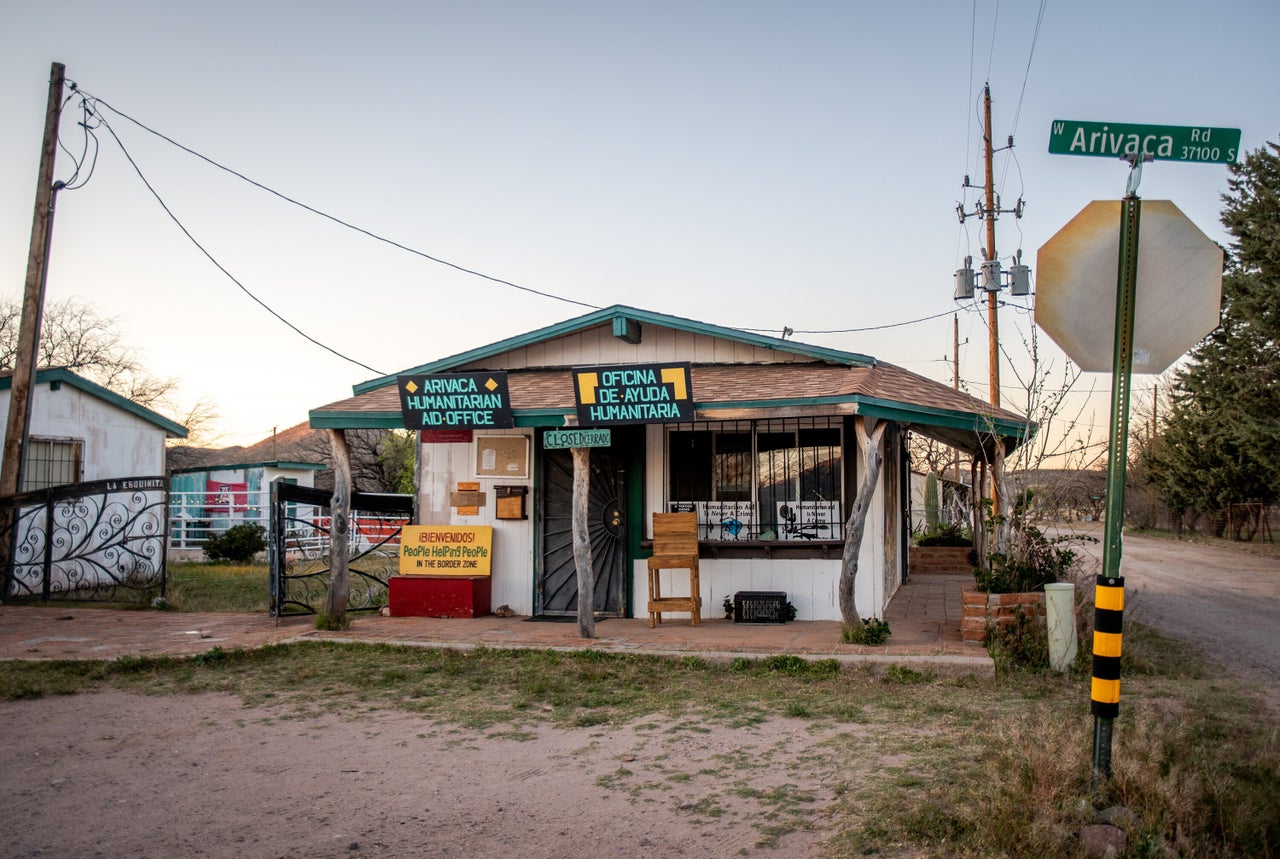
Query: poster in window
{"x": 810, "y": 520}
{"x": 223, "y": 497}
{"x": 728, "y": 521}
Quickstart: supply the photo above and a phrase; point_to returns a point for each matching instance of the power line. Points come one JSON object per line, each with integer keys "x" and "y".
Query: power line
{"x": 72, "y": 184}
{"x": 219, "y": 265}
{"x": 96, "y": 101}
{"x": 852, "y": 330}
{"x": 1027, "y": 74}
{"x": 334, "y": 218}
{"x": 991, "y": 55}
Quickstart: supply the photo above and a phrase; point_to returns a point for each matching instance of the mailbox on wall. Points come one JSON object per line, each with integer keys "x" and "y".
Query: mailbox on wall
{"x": 511, "y": 502}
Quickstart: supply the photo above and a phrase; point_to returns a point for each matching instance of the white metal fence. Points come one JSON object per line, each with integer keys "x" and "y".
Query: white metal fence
{"x": 194, "y": 517}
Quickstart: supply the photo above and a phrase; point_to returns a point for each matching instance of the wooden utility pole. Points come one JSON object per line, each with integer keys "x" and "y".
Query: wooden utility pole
{"x": 993, "y": 318}
{"x": 955, "y": 382}
{"x": 24, "y": 371}
{"x": 993, "y": 302}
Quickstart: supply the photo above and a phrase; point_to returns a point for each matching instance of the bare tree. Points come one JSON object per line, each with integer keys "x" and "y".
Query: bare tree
{"x": 73, "y": 335}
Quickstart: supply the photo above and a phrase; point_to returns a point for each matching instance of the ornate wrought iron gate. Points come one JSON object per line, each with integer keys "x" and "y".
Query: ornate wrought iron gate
{"x": 298, "y": 547}
{"x": 87, "y": 541}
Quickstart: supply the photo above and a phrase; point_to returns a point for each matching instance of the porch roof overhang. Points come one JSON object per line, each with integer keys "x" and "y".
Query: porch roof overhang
{"x": 544, "y": 398}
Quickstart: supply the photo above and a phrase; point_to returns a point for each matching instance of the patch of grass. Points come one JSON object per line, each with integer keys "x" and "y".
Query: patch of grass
{"x": 872, "y": 632}
{"x": 195, "y": 586}
{"x": 907, "y": 676}
{"x": 332, "y": 624}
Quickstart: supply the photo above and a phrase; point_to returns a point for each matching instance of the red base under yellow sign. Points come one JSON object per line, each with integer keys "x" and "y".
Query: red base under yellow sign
{"x": 438, "y": 596}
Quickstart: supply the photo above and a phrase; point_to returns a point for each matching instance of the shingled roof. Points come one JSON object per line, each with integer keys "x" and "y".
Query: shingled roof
{"x": 830, "y": 382}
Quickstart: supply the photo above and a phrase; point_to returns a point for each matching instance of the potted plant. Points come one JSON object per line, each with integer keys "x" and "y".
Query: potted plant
{"x": 1013, "y": 583}
{"x": 943, "y": 549}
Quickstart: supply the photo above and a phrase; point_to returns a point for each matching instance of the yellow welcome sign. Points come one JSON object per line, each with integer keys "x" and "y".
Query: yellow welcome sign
{"x": 446, "y": 550}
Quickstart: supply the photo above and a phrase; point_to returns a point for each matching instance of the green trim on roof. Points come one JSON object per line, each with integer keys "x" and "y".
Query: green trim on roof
{"x": 834, "y": 400}
{"x": 231, "y": 466}
{"x": 543, "y": 417}
{"x": 891, "y": 410}
{"x": 909, "y": 413}
{"x": 870, "y": 406}
{"x": 394, "y": 420}
{"x": 610, "y": 315}
{"x": 355, "y": 420}
{"x": 62, "y": 374}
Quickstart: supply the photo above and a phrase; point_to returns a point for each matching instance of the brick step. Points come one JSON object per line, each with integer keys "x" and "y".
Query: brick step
{"x": 939, "y": 559}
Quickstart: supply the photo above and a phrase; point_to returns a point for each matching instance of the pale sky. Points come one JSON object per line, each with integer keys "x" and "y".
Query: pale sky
{"x": 747, "y": 164}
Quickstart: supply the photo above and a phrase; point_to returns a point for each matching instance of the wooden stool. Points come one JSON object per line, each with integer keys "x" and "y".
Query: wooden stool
{"x": 675, "y": 547}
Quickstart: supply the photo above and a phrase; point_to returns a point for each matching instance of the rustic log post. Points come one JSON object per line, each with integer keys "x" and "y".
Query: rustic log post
{"x": 339, "y": 591}
{"x": 582, "y": 543}
{"x": 978, "y": 482}
{"x": 857, "y": 524}
{"x": 1001, "y": 499}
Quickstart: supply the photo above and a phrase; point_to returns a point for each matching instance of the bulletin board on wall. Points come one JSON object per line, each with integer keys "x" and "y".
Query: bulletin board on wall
{"x": 505, "y": 456}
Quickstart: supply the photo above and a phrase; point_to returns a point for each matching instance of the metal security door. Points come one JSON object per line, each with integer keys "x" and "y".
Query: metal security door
{"x": 557, "y": 592}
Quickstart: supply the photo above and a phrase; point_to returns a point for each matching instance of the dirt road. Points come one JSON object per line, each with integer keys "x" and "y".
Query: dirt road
{"x": 1223, "y": 600}
{"x": 119, "y": 774}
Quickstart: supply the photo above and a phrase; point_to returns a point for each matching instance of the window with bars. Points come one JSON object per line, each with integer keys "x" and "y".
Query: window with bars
{"x": 759, "y": 480}
{"x": 52, "y": 462}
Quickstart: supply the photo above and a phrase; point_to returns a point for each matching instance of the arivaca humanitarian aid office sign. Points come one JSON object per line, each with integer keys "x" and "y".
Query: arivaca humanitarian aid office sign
{"x": 633, "y": 394}
{"x": 455, "y": 401}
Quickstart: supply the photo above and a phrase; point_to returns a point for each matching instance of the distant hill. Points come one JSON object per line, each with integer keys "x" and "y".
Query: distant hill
{"x": 298, "y": 443}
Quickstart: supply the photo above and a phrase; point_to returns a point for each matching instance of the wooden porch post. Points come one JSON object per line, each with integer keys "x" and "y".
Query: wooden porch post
{"x": 335, "y": 602}
{"x": 582, "y": 543}
{"x": 977, "y": 492}
{"x": 857, "y": 524}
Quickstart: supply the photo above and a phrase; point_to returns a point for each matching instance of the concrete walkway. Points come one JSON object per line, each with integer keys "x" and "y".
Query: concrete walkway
{"x": 924, "y": 617}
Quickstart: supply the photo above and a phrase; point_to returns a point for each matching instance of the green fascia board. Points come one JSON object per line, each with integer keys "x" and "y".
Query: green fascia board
{"x": 619, "y": 311}
{"x": 231, "y": 466}
{"x": 870, "y": 406}
{"x": 65, "y": 376}
{"x": 908, "y": 413}
{"x": 543, "y": 418}
{"x": 394, "y": 420}
{"x": 355, "y": 420}
{"x": 892, "y": 410}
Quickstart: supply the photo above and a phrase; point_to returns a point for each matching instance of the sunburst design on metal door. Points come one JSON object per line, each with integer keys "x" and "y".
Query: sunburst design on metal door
{"x": 558, "y": 584}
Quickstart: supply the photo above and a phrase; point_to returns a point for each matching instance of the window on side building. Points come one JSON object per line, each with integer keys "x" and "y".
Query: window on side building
{"x": 52, "y": 462}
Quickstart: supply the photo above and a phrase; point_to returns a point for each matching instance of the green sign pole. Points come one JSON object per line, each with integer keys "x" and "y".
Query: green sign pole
{"x": 1106, "y": 672}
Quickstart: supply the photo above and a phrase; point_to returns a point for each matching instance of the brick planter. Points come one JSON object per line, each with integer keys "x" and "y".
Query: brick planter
{"x": 977, "y": 610}
{"x": 939, "y": 559}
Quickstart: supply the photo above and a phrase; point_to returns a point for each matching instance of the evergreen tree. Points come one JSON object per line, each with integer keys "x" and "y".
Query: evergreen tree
{"x": 1220, "y": 443}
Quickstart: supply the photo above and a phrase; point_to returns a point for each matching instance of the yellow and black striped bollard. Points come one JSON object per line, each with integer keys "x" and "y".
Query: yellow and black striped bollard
{"x": 1108, "y": 621}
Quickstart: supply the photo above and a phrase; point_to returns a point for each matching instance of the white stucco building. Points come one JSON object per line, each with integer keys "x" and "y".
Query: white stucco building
{"x": 765, "y": 439}
{"x": 80, "y": 431}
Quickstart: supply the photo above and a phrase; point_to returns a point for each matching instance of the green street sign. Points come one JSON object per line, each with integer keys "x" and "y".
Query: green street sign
{"x": 1162, "y": 142}
{"x": 567, "y": 438}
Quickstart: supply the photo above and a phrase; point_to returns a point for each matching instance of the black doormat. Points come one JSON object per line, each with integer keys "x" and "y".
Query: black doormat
{"x": 557, "y": 618}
